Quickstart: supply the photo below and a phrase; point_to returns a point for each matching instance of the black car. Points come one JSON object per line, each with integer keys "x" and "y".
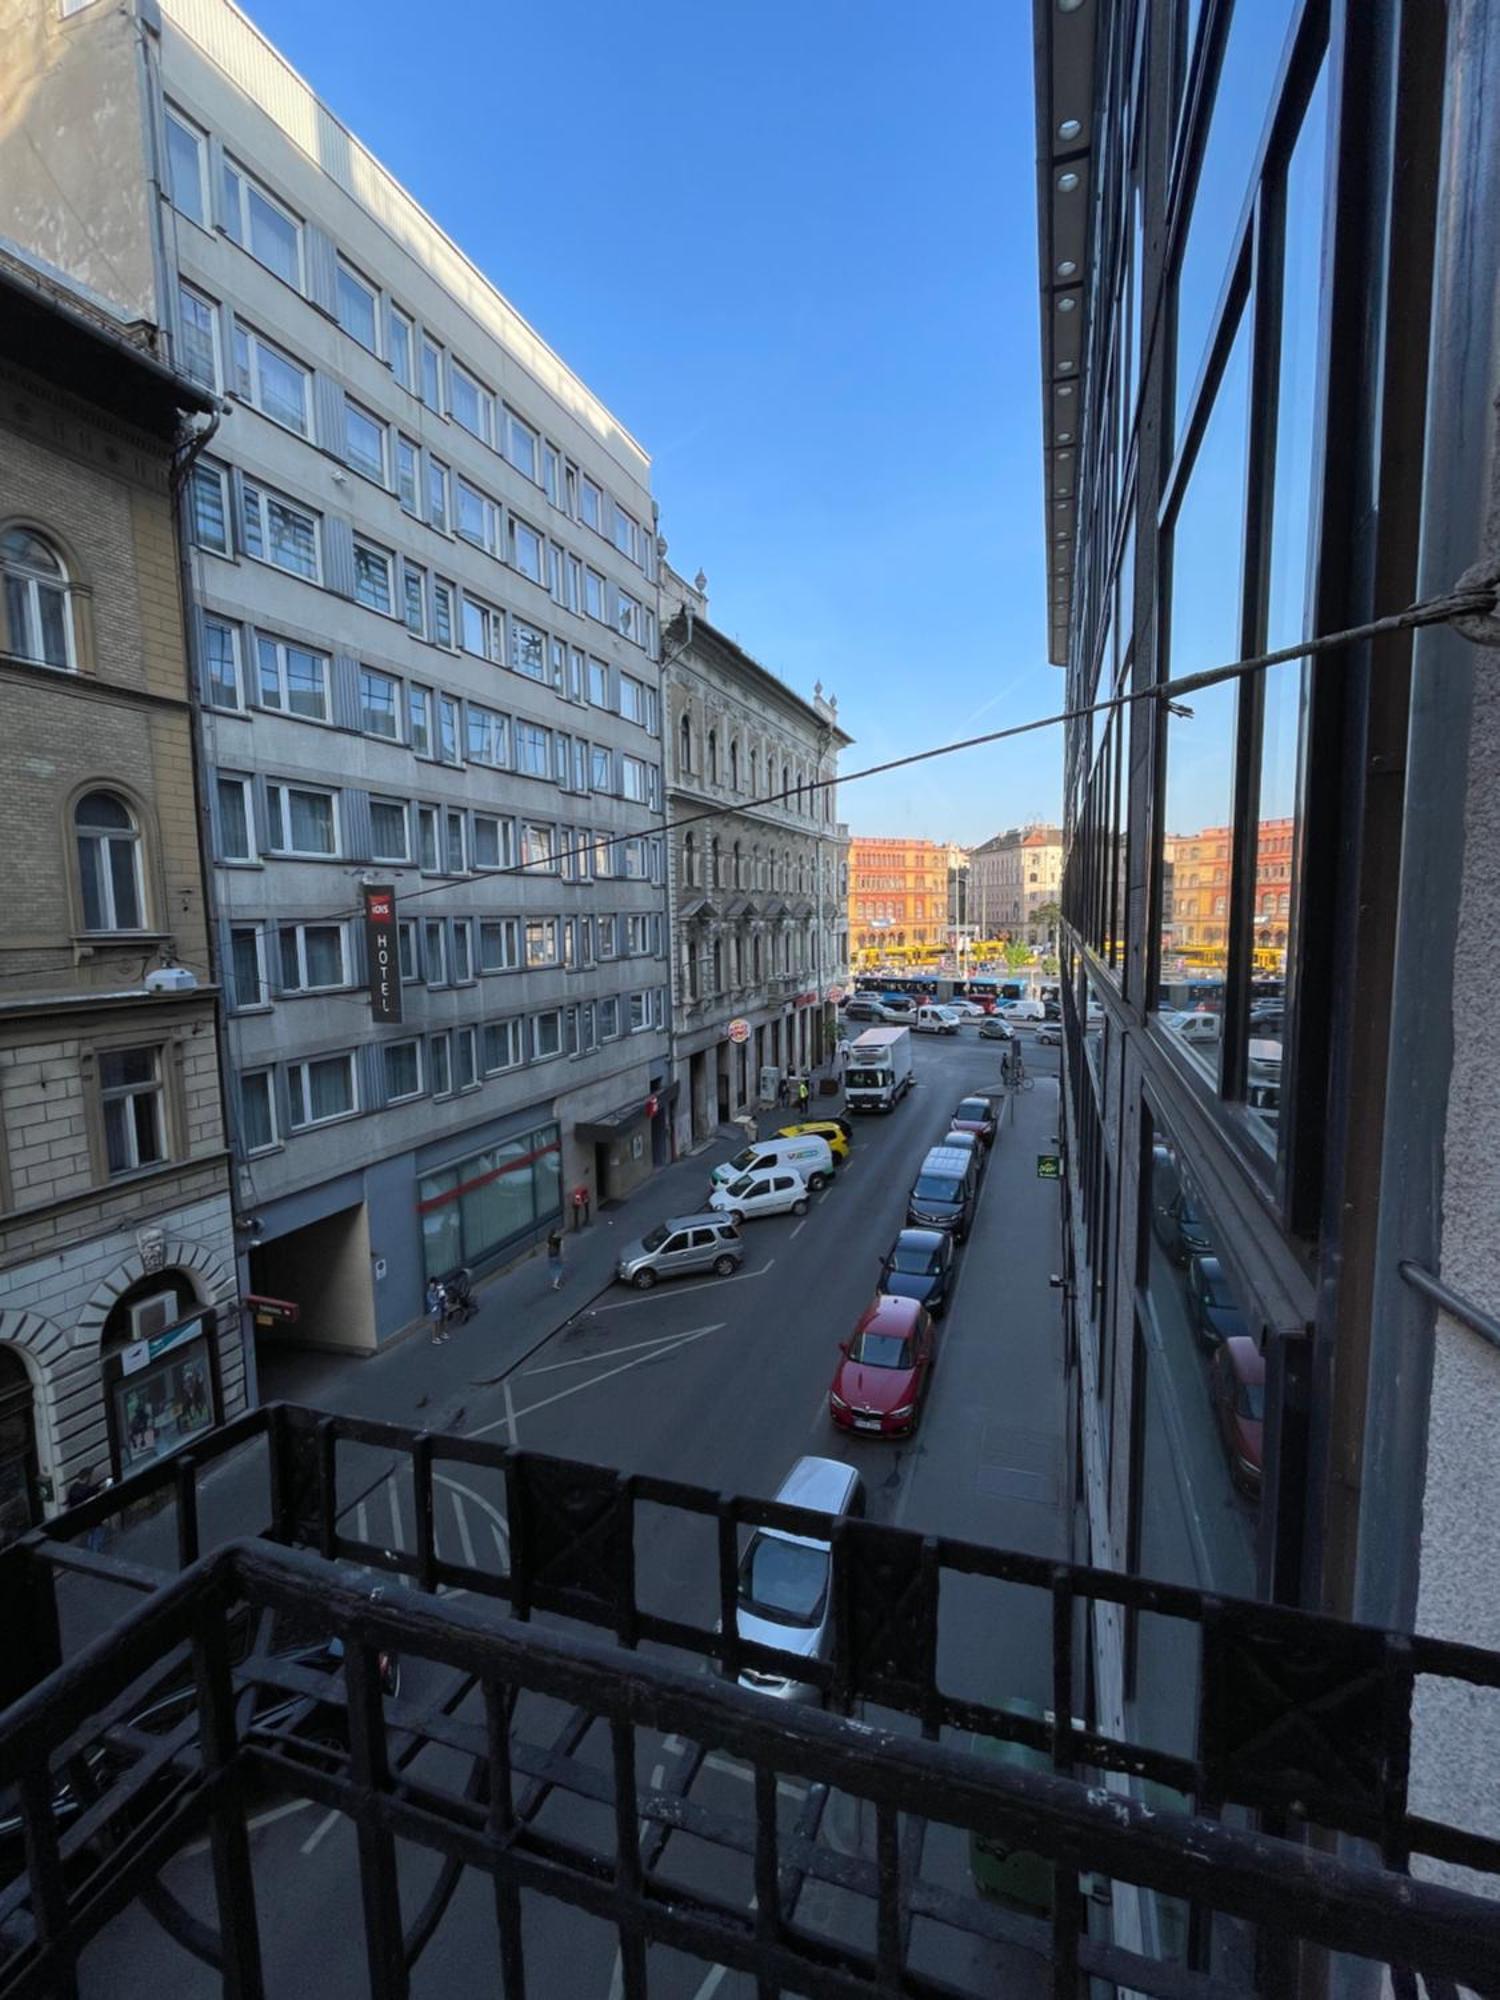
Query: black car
{"x": 920, "y": 1266}
{"x": 1214, "y": 1302}
{"x": 863, "y": 1009}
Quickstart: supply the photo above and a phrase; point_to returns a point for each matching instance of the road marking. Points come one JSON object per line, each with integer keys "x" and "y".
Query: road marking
{"x": 510, "y": 1413}
{"x": 605, "y": 1354}
{"x": 402, "y": 1579}
{"x": 799, "y": 1229}
{"x": 715, "y": 1976}
{"x": 260, "y": 1819}
{"x": 466, "y": 1540}
{"x": 593, "y": 1382}
{"x": 361, "y": 1523}
{"x": 683, "y": 1291}
{"x": 498, "y": 1521}
{"x": 323, "y": 1827}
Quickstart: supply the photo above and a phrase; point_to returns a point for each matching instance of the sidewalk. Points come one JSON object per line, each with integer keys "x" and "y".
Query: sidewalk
{"x": 411, "y": 1381}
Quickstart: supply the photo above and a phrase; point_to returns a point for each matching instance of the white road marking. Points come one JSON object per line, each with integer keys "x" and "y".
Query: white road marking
{"x": 728, "y": 1768}
{"x": 397, "y": 1538}
{"x": 606, "y": 1354}
{"x": 799, "y": 1229}
{"x": 324, "y": 1826}
{"x": 593, "y": 1382}
{"x": 260, "y": 1819}
{"x": 715, "y": 1976}
{"x": 361, "y": 1523}
{"x": 465, "y": 1539}
{"x": 682, "y": 1291}
{"x": 510, "y": 1413}
{"x": 498, "y": 1521}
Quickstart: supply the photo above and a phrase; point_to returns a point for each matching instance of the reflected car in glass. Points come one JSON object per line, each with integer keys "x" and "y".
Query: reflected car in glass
{"x": 1239, "y": 1392}
{"x": 1213, "y": 1302}
{"x": 920, "y": 1266}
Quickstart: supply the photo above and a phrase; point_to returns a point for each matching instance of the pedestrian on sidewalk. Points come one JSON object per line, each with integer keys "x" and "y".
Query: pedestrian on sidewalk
{"x": 803, "y": 1093}
{"x": 437, "y": 1310}
{"x": 554, "y": 1258}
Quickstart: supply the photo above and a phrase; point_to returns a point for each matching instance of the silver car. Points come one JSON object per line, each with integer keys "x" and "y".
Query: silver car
{"x": 680, "y": 1247}
{"x": 785, "y": 1585}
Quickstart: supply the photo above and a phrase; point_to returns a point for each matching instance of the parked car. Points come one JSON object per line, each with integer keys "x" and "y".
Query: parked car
{"x": 995, "y": 1028}
{"x": 936, "y": 1021}
{"x": 975, "y": 1114}
{"x": 900, "y": 1013}
{"x": 1024, "y": 1010}
{"x": 969, "y": 1010}
{"x": 808, "y": 1155}
{"x": 784, "y": 1598}
{"x": 863, "y": 1008}
{"x": 882, "y": 1376}
{"x": 942, "y": 1195}
{"x": 1238, "y": 1378}
{"x": 1213, "y": 1302}
{"x": 678, "y": 1248}
{"x": 1049, "y": 1035}
{"x": 919, "y": 1265}
{"x": 765, "y": 1193}
{"x": 968, "y": 1141}
{"x": 834, "y": 1131}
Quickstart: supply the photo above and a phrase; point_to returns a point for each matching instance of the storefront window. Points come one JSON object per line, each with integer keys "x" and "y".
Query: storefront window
{"x": 472, "y": 1210}
{"x": 158, "y": 1371}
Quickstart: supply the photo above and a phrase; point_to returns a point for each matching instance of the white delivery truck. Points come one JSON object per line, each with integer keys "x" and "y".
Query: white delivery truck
{"x": 878, "y": 1073}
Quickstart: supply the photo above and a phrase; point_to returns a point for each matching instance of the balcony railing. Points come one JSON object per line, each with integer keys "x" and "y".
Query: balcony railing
{"x": 1302, "y": 1734}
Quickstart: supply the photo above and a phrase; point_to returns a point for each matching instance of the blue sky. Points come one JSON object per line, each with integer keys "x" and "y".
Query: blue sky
{"x": 794, "y": 249}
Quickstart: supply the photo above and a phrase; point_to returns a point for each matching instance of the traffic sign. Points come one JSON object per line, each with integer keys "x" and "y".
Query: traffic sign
{"x": 739, "y": 1030}
{"x": 1049, "y": 1166}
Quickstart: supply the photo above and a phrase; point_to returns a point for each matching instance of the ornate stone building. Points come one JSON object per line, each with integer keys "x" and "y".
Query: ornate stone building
{"x": 759, "y": 866}
{"x": 120, "y": 1334}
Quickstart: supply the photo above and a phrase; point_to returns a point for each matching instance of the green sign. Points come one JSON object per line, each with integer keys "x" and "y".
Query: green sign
{"x": 1049, "y": 1166}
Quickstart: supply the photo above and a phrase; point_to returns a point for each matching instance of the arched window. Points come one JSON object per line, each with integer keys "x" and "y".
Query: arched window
{"x": 109, "y": 864}
{"x": 739, "y": 868}
{"x": 734, "y": 764}
{"x": 714, "y": 857}
{"x": 713, "y": 756}
{"x": 754, "y": 772}
{"x": 38, "y": 611}
{"x": 690, "y": 859}
{"x": 685, "y": 746}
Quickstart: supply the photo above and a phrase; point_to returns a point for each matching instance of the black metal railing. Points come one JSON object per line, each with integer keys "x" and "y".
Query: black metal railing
{"x": 1302, "y": 1732}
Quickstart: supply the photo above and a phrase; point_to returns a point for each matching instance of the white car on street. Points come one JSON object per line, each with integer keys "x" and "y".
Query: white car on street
{"x": 778, "y": 1191}
{"x": 967, "y": 1010}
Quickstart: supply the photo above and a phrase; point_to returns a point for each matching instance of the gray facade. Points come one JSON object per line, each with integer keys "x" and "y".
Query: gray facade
{"x": 759, "y": 868}
{"x": 424, "y": 566}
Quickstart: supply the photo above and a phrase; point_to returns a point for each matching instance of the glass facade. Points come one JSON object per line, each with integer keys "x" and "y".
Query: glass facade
{"x": 474, "y": 1209}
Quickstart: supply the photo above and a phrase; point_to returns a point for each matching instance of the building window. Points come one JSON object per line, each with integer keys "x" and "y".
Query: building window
{"x": 499, "y": 946}
{"x": 533, "y": 750}
{"x": 541, "y": 941}
{"x": 130, "y": 1094}
{"x": 406, "y": 949}
{"x": 198, "y": 322}
{"x": 627, "y": 535}
{"x": 432, "y": 375}
{"x": 470, "y": 403}
{"x": 538, "y": 848}
{"x": 602, "y": 775}
{"x": 280, "y": 533}
{"x": 271, "y": 381}
{"x": 321, "y": 1090}
{"x": 109, "y": 864}
{"x": 487, "y": 736}
{"x": 448, "y": 729}
{"x": 419, "y": 720}
{"x": 475, "y": 516}
{"x": 187, "y": 156}
{"x": 453, "y": 843}
{"x": 209, "y": 506}
{"x": 504, "y": 1046}
{"x": 437, "y": 495}
{"x": 574, "y": 583}
{"x": 257, "y": 1111}
{"x": 364, "y": 442}
{"x": 403, "y": 1071}
{"x": 593, "y": 594}
{"x": 414, "y": 599}
{"x": 494, "y": 841}
{"x": 632, "y": 699}
{"x": 390, "y": 833}
{"x": 546, "y": 1035}
{"x": 525, "y": 549}
{"x": 427, "y": 839}
{"x": 521, "y": 448}
{"x": 528, "y": 650}
{"x": 439, "y": 1066}
{"x": 221, "y": 664}
{"x": 590, "y": 504}
{"x": 399, "y": 333}
{"x": 379, "y": 704}
{"x": 640, "y": 1012}
{"x": 628, "y": 617}
{"x": 302, "y": 821}
{"x": 435, "y": 951}
{"x": 38, "y": 607}
{"x": 633, "y": 779}
{"x": 236, "y": 842}
{"x": 271, "y": 233}
{"x": 406, "y": 474}
{"x": 442, "y": 613}
{"x": 293, "y": 680}
{"x": 609, "y": 1019}
{"x": 312, "y": 958}
{"x": 358, "y": 308}
{"x": 372, "y": 577}
{"x": 465, "y": 1059}
{"x": 483, "y": 629}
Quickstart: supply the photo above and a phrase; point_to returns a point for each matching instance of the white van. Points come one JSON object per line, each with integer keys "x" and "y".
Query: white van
{"x": 934, "y": 1020}
{"x": 1024, "y": 1010}
{"x": 807, "y": 1155}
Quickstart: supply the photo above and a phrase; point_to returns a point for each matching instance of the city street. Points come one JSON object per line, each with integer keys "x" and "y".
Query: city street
{"x": 721, "y": 1383}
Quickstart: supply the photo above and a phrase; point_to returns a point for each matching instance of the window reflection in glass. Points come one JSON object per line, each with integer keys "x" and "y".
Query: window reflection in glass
{"x": 1278, "y": 815}
{"x": 1207, "y": 541}
{"x": 1257, "y": 33}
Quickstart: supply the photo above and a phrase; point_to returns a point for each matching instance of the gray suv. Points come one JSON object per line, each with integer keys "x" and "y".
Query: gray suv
{"x": 682, "y": 1246}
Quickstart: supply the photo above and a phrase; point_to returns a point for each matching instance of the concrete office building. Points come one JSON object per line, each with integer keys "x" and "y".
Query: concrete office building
{"x": 1015, "y": 879}
{"x": 425, "y": 570}
{"x": 1271, "y": 362}
{"x": 120, "y": 1334}
{"x": 760, "y": 884}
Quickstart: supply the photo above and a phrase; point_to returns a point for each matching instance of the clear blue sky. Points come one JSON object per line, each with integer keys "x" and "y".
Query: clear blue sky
{"x": 793, "y": 247}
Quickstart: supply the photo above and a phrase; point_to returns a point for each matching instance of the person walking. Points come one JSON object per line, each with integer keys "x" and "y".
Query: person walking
{"x": 437, "y": 1310}
{"x": 803, "y": 1094}
{"x": 554, "y": 1258}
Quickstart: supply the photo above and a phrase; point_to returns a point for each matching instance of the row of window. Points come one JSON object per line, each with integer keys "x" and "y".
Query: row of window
{"x": 799, "y": 790}
{"x": 275, "y": 236}
{"x": 313, "y": 686}
{"x": 760, "y": 870}
{"x": 287, "y": 819}
{"x": 287, "y": 1098}
{"x": 289, "y": 960}
{"x": 235, "y": 515}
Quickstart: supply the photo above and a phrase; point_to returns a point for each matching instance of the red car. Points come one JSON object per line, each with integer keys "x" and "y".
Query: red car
{"x": 881, "y": 1380}
{"x": 976, "y": 1115}
{"x": 1239, "y": 1390}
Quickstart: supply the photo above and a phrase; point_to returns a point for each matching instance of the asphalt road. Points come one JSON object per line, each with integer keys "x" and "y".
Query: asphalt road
{"x": 723, "y": 1383}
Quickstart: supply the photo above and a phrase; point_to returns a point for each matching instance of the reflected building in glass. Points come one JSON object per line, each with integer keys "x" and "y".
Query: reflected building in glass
{"x": 1268, "y": 338}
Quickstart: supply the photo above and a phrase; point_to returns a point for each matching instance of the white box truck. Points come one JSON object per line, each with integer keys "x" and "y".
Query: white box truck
{"x": 878, "y": 1073}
